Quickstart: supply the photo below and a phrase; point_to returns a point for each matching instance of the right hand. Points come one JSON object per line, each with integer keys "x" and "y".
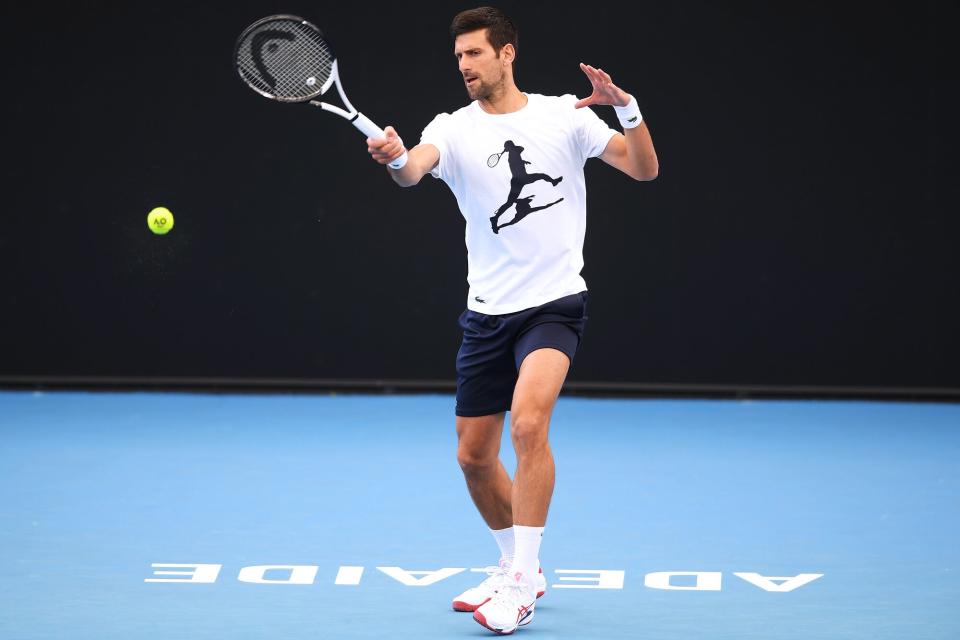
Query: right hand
{"x": 388, "y": 149}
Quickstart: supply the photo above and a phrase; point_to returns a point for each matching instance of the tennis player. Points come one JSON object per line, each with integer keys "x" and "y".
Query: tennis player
{"x": 526, "y": 307}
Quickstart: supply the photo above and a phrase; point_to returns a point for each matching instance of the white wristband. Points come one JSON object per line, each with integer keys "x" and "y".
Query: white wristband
{"x": 398, "y": 163}
{"x": 629, "y": 115}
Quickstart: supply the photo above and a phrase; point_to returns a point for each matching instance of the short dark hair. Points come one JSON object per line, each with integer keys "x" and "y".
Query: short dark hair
{"x": 501, "y": 30}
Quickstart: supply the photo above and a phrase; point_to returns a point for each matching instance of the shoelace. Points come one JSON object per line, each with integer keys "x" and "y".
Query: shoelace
{"x": 496, "y": 574}
{"x": 512, "y": 592}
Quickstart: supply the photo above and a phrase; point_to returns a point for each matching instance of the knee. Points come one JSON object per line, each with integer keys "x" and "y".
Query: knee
{"x": 475, "y": 462}
{"x": 528, "y": 430}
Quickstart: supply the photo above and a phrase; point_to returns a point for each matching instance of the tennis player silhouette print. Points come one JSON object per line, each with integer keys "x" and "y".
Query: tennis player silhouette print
{"x": 518, "y": 180}
{"x": 523, "y": 209}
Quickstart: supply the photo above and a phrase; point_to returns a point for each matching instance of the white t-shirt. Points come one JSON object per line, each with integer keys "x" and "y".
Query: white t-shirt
{"x": 536, "y": 193}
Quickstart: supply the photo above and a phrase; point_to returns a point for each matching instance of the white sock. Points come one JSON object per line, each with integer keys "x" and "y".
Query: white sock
{"x": 504, "y": 538}
{"x": 526, "y": 559}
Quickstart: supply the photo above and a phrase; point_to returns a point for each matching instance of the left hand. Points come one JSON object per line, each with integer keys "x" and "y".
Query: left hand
{"x": 604, "y": 91}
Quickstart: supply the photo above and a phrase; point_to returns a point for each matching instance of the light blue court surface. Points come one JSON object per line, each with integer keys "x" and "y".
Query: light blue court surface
{"x": 669, "y": 499}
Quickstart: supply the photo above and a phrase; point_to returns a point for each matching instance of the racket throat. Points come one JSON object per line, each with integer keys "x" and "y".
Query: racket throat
{"x": 349, "y": 112}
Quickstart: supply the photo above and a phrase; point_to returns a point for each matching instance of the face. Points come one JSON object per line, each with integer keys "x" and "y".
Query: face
{"x": 483, "y": 72}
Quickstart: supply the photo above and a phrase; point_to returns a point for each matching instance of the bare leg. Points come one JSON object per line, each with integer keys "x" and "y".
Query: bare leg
{"x": 541, "y": 377}
{"x": 478, "y": 452}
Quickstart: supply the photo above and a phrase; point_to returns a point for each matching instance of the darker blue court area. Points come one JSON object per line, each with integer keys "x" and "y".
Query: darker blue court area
{"x": 347, "y": 517}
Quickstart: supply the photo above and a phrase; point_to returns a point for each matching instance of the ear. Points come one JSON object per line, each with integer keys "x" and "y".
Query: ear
{"x": 508, "y": 53}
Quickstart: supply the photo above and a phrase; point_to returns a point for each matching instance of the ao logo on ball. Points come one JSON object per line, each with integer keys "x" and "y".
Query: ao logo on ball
{"x": 160, "y": 220}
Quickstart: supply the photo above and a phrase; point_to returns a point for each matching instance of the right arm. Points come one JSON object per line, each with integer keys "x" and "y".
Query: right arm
{"x": 420, "y": 160}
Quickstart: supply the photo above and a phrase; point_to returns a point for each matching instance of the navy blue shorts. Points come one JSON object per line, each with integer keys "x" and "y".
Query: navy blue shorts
{"x": 493, "y": 348}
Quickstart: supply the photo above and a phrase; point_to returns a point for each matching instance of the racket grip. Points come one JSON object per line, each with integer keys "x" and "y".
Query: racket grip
{"x": 371, "y": 130}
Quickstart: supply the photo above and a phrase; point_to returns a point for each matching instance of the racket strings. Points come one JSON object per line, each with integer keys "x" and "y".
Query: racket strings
{"x": 285, "y": 59}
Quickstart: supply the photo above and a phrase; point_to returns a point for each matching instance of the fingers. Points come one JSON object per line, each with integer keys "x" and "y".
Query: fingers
{"x": 592, "y": 72}
{"x": 591, "y": 75}
{"x": 598, "y": 77}
{"x": 385, "y": 149}
{"x": 386, "y": 153}
{"x": 585, "y": 102}
{"x": 604, "y": 90}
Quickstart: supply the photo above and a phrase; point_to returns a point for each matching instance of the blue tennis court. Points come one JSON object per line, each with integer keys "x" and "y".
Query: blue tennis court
{"x": 169, "y": 515}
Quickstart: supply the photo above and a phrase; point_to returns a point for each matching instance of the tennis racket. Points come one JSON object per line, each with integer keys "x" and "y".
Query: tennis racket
{"x": 285, "y": 58}
{"x": 494, "y": 159}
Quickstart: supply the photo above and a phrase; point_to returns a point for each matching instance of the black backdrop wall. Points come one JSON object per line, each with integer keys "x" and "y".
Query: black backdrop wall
{"x": 803, "y": 229}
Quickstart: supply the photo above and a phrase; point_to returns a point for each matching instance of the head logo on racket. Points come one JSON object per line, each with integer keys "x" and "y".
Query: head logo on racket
{"x": 286, "y": 58}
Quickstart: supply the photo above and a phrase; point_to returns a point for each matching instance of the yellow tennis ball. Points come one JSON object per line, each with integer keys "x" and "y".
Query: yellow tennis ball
{"x": 160, "y": 220}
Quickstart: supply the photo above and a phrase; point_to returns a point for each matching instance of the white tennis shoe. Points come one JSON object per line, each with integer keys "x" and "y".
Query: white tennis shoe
{"x": 497, "y": 577}
{"x": 510, "y": 607}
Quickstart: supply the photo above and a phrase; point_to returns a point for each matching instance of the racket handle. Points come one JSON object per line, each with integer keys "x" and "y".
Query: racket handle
{"x": 371, "y": 130}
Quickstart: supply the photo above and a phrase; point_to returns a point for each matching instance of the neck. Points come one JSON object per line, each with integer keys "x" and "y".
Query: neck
{"x": 506, "y": 98}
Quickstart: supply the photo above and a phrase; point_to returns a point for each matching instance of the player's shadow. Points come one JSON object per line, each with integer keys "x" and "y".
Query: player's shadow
{"x": 522, "y": 209}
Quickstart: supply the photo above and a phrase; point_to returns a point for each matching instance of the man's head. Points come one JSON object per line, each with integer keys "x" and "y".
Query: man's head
{"x": 485, "y": 43}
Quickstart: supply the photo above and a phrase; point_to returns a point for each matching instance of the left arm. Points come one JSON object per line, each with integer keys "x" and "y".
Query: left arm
{"x": 632, "y": 151}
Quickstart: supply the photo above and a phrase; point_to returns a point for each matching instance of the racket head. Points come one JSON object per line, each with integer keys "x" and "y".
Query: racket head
{"x": 493, "y": 160}
{"x": 286, "y": 58}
